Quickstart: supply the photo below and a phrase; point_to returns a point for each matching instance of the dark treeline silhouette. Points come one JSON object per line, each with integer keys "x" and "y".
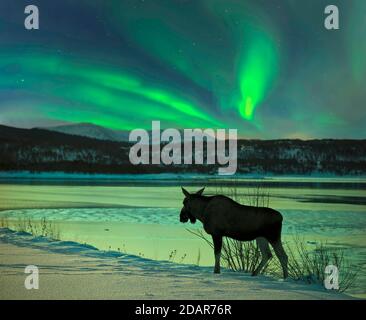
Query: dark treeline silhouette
{"x": 38, "y": 150}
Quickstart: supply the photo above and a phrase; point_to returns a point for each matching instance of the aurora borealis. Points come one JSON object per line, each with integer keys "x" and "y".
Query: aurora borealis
{"x": 266, "y": 67}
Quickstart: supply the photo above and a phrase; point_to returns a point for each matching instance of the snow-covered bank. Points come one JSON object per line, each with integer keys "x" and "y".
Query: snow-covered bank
{"x": 156, "y": 233}
{"x": 70, "y": 270}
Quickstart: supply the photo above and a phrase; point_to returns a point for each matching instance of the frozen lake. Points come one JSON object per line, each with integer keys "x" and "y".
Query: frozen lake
{"x": 142, "y": 216}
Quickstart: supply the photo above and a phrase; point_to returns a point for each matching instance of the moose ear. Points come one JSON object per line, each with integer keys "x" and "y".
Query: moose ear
{"x": 199, "y": 192}
{"x": 186, "y": 193}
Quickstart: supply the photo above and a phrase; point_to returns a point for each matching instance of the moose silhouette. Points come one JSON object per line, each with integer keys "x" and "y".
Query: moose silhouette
{"x": 224, "y": 217}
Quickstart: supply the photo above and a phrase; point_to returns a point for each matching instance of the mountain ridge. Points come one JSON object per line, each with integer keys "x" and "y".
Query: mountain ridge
{"x": 89, "y": 130}
{"x": 41, "y": 150}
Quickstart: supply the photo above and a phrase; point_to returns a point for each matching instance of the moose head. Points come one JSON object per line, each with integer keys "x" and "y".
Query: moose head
{"x": 187, "y": 212}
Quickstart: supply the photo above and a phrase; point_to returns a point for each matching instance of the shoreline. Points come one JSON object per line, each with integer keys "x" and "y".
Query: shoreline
{"x": 146, "y": 241}
{"x": 70, "y": 270}
{"x": 33, "y": 197}
{"x": 60, "y": 175}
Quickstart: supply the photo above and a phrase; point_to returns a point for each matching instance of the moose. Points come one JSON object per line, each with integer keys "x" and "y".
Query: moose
{"x": 224, "y": 217}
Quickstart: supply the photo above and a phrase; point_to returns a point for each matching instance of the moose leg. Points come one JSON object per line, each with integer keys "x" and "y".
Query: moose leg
{"x": 266, "y": 254}
{"x": 281, "y": 255}
{"x": 217, "y": 241}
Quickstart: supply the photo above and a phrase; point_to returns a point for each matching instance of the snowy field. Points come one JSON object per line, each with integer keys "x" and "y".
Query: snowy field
{"x": 70, "y": 270}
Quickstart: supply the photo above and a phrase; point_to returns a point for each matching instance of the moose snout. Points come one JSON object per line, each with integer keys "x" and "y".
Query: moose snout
{"x": 183, "y": 216}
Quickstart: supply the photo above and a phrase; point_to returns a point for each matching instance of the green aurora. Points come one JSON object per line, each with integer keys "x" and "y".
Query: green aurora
{"x": 268, "y": 68}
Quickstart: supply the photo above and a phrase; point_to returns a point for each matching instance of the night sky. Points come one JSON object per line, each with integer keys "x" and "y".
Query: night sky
{"x": 266, "y": 67}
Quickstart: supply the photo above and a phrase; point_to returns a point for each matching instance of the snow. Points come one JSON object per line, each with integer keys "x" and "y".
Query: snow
{"x": 155, "y": 232}
{"x": 92, "y": 131}
{"x": 70, "y": 270}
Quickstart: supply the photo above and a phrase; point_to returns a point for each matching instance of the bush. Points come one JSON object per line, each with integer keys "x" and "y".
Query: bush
{"x": 309, "y": 265}
{"x": 235, "y": 255}
{"x": 304, "y": 264}
{"x": 238, "y": 255}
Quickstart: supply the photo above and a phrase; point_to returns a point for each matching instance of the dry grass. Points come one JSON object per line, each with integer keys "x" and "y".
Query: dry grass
{"x": 37, "y": 228}
{"x": 4, "y": 222}
{"x": 309, "y": 265}
{"x": 235, "y": 255}
{"x": 305, "y": 264}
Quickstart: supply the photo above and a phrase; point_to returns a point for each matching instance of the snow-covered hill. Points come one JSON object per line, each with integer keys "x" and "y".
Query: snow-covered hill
{"x": 101, "y": 133}
{"x": 40, "y": 150}
{"x": 91, "y": 131}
